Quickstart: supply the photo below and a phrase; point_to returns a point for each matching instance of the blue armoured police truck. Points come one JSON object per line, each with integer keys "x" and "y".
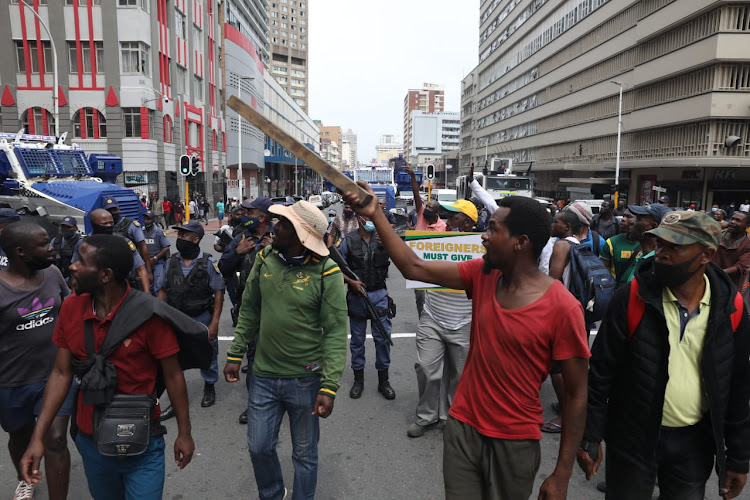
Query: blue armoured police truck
{"x": 41, "y": 175}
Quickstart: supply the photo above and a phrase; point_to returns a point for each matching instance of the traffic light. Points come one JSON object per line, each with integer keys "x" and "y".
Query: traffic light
{"x": 185, "y": 165}
{"x": 195, "y": 166}
{"x": 430, "y": 171}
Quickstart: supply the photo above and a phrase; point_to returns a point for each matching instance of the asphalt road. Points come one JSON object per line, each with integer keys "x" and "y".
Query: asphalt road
{"x": 364, "y": 451}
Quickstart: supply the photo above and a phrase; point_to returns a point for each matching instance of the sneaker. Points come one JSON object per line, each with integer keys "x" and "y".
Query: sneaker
{"x": 415, "y": 430}
{"x": 24, "y": 491}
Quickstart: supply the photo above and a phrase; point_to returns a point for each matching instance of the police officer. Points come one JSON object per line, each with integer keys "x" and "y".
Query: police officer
{"x": 369, "y": 260}
{"x": 157, "y": 245}
{"x": 254, "y": 232}
{"x": 102, "y": 223}
{"x": 7, "y": 215}
{"x": 128, "y": 228}
{"x": 65, "y": 244}
{"x": 191, "y": 283}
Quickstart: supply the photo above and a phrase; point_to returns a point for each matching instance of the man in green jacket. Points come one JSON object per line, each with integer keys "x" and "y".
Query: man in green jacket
{"x": 295, "y": 302}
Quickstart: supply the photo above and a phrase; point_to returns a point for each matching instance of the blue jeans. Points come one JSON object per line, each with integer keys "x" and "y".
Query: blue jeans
{"x": 138, "y": 478}
{"x": 157, "y": 270}
{"x": 358, "y": 329}
{"x": 211, "y": 375}
{"x": 268, "y": 400}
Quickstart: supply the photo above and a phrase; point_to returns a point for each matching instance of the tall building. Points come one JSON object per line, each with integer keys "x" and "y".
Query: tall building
{"x": 288, "y": 33}
{"x": 140, "y": 80}
{"x": 349, "y": 149}
{"x": 245, "y": 51}
{"x": 388, "y": 147}
{"x": 330, "y": 143}
{"x": 546, "y": 93}
{"x": 432, "y": 135}
{"x": 429, "y": 99}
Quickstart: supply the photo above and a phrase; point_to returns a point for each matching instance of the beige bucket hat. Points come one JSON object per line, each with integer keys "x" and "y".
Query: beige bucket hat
{"x": 309, "y": 223}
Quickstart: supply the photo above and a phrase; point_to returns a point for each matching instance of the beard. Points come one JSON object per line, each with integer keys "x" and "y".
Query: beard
{"x": 486, "y": 266}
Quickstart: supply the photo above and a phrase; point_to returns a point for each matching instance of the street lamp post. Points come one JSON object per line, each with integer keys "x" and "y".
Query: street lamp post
{"x": 56, "y": 112}
{"x": 296, "y": 182}
{"x": 239, "y": 134}
{"x": 619, "y": 135}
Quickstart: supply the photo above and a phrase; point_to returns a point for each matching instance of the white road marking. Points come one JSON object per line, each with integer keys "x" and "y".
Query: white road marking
{"x": 393, "y": 335}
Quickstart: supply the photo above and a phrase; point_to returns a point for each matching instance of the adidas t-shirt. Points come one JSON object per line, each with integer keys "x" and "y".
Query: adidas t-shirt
{"x": 27, "y": 321}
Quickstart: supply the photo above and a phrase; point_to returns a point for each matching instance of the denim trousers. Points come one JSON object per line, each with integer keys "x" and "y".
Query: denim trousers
{"x": 211, "y": 375}
{"x": 268, "y": 400}
{"x": 133, "y": 478}
{"x": 358, "y": 329}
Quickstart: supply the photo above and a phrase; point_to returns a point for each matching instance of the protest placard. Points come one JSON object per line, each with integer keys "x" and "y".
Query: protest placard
{"x": 443, "y": 246}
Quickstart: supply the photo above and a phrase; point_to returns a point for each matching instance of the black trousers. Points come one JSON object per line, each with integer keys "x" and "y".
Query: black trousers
{"x": 682, "y": 465}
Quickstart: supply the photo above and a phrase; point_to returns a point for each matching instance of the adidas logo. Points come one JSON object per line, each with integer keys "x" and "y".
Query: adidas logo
{"x": 34, "y": 323}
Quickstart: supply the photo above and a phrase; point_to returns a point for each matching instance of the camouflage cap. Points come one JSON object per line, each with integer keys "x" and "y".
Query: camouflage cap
{"x": 687, "y": 227}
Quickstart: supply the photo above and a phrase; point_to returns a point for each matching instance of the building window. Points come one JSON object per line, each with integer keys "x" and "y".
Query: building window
{"x": 81, "y": 3}
{"x": 135, "y": 58}
{"x": 133, "y": 3}
{"x": 179, "y": 25}
{"x": 89, "y": 123}
{"x": 38, "y": 121}
{"x": 181, "y": 75}
{"x": 131, "y": 117}
{"x": 167, "y": 129}
{"x": 33, "y": 57}
{"x": 198, "y": 88}
{"x": 213, "y": 140}
{"x": 85, "y": 56}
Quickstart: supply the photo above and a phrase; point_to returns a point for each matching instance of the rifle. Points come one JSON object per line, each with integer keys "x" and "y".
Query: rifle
{"x": 371, "y": 312}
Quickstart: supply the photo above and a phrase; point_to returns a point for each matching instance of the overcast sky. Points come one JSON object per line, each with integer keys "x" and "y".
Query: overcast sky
{"x": 364, "y": 56}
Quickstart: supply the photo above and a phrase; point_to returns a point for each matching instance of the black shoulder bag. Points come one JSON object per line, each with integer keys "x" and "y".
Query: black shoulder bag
{"x": 122, "y": 426}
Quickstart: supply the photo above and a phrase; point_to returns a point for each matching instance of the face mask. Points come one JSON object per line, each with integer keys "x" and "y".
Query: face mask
{"x": 348, "y": 213}
{"x": 67, "y": 233}
{"x": 674, "y": 274}
{"x": 188, "y": 249}
{"x": 331, "y": 219}
{"x": 369, "y": 226}
{"x": 39, "y": 263}
{"x": 102, "y": 229}
{"x": 149, "y": 225}
{"x": 250, "y": 222}
{"x": 456, "y": 230}
{"x": 234, "y": 222}
{"x": 429, "y": 214}
{"x": 293, "y": 261}
{"x": 116, "y": 218}
{"x": 714, "y": 209}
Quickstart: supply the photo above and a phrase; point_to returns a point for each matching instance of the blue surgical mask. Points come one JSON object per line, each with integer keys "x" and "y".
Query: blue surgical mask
{"x": 714, "y": 209}
{"x": 331, "y": 219}
{"x": 369, "y": 226}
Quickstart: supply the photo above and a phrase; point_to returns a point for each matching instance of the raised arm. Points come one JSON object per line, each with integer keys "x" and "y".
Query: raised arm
{"x": 412, "y": 267}
{"x": 414, "y": 189}
{"x": 481, "y": 193}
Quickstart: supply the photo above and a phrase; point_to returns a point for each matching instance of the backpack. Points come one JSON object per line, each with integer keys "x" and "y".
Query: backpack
{"x": 590, "y": 280}
{"x": 637, "y": 308}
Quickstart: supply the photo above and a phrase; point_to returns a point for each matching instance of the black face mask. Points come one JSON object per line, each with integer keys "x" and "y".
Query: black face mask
{"x": 348, "y": 213}
{"x": 148, "y": 225}
{"x": 39, "y": 263}
{"x": 234, "y": 222}
{"x": 102, "y": 229}
{"x": 68, "y": 233}
{"x": 116, "y": 218}
{"x": 429, "y": 214}
{"x": 674, "y": 274}
{"x": 188, "y": 249}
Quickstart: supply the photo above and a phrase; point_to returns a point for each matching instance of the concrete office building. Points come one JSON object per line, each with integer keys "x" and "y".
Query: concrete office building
{"x": 432, "y": 135}
{"x": 138, "y": 79}
{"x": 388, "y": 147}
{"x": 349, "y": 149}
{"x": 246, "y": 53}
{"x": 429, "y": 99}
{"x": 288, "y": 33}
{"x": 546, "y": 92}
{"x": 280, "y": 176}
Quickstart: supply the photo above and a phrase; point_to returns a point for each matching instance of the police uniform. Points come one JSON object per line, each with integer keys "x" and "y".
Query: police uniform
{"x": 65, "y": 248}
{"x": 137, "y": 260}
{"x": 191, "y": 290}
{"x": 156, "y": 242}
{"x": 127, "y": 227}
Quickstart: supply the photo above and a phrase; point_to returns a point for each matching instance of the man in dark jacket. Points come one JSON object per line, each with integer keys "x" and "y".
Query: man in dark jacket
{"x": 679, "y": 321}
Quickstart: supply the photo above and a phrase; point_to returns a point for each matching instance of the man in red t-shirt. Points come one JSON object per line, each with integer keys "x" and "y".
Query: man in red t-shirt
{"x": 522, "y": 320}
{"x": 100, "y": 278}
{"x": 166, "y": 207}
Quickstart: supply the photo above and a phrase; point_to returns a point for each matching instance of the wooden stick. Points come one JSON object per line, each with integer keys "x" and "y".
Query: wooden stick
{"x": 342, "y": 182}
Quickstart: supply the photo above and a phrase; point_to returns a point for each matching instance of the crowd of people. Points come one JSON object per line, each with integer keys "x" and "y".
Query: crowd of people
{"x": 664, "y": 385}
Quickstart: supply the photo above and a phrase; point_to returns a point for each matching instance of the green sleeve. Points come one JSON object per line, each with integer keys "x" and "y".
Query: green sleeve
{"x": 248, "y": 322}
{"x": 333, "y": 318}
